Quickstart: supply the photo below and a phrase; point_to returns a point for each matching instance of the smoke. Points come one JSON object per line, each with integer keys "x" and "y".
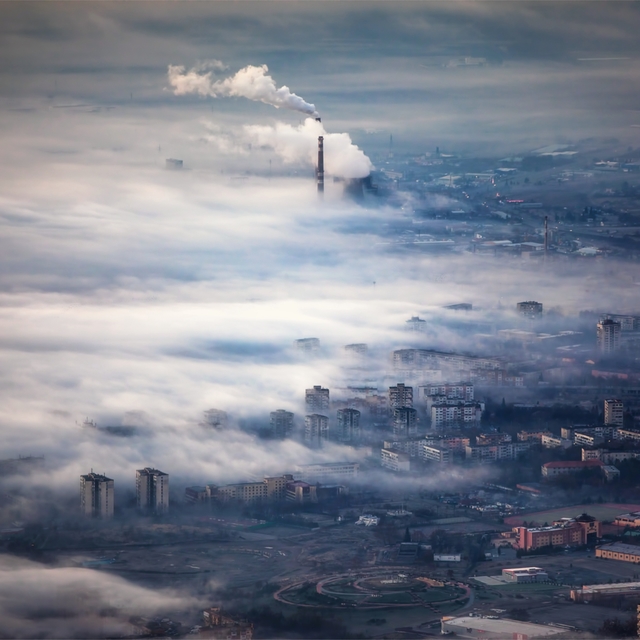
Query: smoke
{"x": 297, "y": 145}
{"x": 251, "y": 82}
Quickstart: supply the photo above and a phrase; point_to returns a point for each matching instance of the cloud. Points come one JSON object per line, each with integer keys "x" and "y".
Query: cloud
{"x": 64, "y": 602}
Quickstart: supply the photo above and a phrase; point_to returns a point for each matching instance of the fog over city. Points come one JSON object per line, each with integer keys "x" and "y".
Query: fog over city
{"x": 164, "y": 246}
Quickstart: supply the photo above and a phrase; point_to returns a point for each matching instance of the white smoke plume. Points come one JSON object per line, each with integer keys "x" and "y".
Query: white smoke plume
{"x": 251, "y": 82}
{"x": 342, "y": 158}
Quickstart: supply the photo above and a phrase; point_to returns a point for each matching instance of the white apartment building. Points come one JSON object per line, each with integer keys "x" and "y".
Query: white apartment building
{"x": 328, "y": 471}
{"x": 614, "y": 413}
{"x": 435, "y": 454}
{"x": 492, "y": 453}
{"x": 395, "y": 460}
{"x": 458, "y": 414}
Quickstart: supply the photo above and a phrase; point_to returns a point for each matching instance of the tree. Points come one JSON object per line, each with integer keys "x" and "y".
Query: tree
{"x": 407, "y": 535}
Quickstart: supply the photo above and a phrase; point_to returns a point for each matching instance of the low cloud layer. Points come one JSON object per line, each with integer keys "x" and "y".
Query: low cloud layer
{"x": 57, "y": 602}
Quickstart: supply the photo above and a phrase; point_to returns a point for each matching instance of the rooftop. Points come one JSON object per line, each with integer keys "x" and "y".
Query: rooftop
{"x": 525, "y": 629}
{"x": 572, "y": 464}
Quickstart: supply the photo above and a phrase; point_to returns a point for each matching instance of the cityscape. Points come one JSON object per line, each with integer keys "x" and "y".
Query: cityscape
{"x": 320, "y": 320}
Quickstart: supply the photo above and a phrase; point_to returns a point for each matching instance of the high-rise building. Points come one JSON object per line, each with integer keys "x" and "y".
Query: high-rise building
{"x": 316, "y": 429}
{"x": 530, "y": 309}
{"x": 400, "y": 396}
{"x": 614, "y": 413}
{"x": 307, "y": 345}
{"x": 216, "y": 418}
{"x": 415, "y": 323}
{"x": 358, "y": 349}
{"x": 405, "y": 422}
{"x": 348, "y": 425}
{"x": 281, "y": 424}
{"x": 96, "y": 495}
{"x": 152, "y": 490}
{"x": 608, "y": 335}
{"x": 316, "y": 399}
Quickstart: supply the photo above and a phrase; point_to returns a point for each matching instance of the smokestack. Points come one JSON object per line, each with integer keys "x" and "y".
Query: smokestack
{"x": 546, "y": 235}
{"x": 320, "y": 169}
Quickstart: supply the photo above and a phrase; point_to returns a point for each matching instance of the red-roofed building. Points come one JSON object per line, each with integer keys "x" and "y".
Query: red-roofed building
{"x": 552, "y": 469}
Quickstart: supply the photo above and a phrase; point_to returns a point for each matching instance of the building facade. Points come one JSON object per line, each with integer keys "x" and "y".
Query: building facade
{"x": 405, "y": 422}
{"x": 608, "y": 336}
{"x": 316, "y": 399}
{"x": 281, "y": 423}
{"x": 348, "y": 425}
{"x": 614, "y": 413}
{"x": 316, "y": 430}
{"x": 96, "y": 496}
{"x": 152, "y": 490}
{"x": 400, "y": 396}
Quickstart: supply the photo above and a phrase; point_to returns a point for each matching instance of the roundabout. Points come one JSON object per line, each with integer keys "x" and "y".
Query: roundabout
{"x": 381, "y": 588}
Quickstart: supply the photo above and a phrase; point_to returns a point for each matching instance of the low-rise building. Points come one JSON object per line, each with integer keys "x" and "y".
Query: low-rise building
{"x": 595, "y": 592}
{"x": 557, "y": 468}
{"x": 584, "y": 529}
{"x": 619, "y": 551}
{"x": 631, "y": 520}
{"x": 523, "y": 575}
{"x": 533, "y": 436}
{"x": 471, "y": 626}
{"x": 492, "y": 453}
{"x": 553, "y": 442}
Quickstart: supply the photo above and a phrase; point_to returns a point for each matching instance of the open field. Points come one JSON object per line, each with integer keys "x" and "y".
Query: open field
{"x": 606, "y": 511}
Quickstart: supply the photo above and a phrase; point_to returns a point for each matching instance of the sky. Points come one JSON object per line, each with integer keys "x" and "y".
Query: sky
{"x": 135, "y": 295}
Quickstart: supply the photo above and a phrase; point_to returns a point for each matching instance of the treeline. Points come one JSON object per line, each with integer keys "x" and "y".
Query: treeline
{"x": 304, "y": 623}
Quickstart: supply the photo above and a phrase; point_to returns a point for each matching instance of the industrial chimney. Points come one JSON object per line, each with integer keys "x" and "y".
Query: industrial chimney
{"x": 320, "y": 169}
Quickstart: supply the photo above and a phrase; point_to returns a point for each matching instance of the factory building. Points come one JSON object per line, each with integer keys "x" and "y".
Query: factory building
{"x": 281, "y": 423}
{"x": 152, "y": 490}
{"x": 96, "y": 496}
